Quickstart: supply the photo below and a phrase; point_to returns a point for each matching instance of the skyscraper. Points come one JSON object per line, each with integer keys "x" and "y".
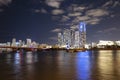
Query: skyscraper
{"x": 67, "y": 37}
{"x": 29, "y": 41}
{"x": 14, "y": 42}
{"x": 60, "y": 39}
{"x": 77, "y": 39}
{"x": 73, "y": 38}
{"x": 82, "y": 29}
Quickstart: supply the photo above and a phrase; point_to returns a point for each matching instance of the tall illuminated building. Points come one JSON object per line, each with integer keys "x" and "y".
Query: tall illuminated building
{"x": 13, "y": 42}
{"x": 77, "y": 39}
{"x": 82, "y": 29}
{"x": 74, "y": 38}
{"x": 67, "y": 37}
{"x": 60, "y": 39}
{"x": 29, "y": 41}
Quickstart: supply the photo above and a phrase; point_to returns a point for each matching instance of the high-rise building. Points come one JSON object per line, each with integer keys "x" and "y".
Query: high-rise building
{"x": 60, "y": 39}
{"x": 13, "y": 42}
{"x": 29, "y": 41}
{"x": 82, "y": 29}
{"x": 67, "y": 37}
{"x": 73, "y": 38}
{"x": 77, "y": 39}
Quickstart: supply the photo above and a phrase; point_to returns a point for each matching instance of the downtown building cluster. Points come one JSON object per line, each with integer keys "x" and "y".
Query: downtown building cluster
{"x": 20, "y": 43}
{"x": 73, "y": 38}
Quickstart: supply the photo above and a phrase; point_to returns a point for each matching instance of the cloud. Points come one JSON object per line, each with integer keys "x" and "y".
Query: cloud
{"x": 108, "y": 30}
{"x": 97, "y": 12}
{"x": 116, "y": 3}
{"x": 93, "y": 21}
{"x": 40, "y": 10}
{"x": 53, "y": 3}
{"x": 5, "y": 2}
{"x": 57, "y": 11}
{"x": 111, "y": 3}
{"x": 37, "y": 11}
{"x": 107, "y": 4}
{"x": 74, "y": 14}
{"x": 56, "y": 17}
{"x": 76, "y": 8}
{"x": 43, "y": 11}
{"x": 53, "y": 38}
{"x": 79, "y": 8}
{"x": 80, "y": 18}
{"x": 74, "y": 27}
{"x": 64, "y": 18}
{"x": 56, "y": 30}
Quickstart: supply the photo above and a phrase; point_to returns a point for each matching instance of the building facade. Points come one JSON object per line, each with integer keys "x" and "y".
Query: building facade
{"x": 73, "y": 38}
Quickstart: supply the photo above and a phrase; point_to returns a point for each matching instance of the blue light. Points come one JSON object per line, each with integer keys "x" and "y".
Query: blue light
{"x": 82, "y": 27}
{"x": 83, "y": 65}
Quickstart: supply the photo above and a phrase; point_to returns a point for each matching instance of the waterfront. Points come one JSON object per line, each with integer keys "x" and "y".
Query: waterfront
{"x": 61, "y": 65}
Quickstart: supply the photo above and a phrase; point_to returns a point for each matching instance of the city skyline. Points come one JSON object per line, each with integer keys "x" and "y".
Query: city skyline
{"x": 41, "y": 20}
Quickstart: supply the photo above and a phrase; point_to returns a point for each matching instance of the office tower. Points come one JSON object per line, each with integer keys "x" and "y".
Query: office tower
{"x": 60, "y": 39}
{"x": 82, "y": 29}
{"x": 13, "y": 42}
{"x": 67, "y": 37}
{"x": 29, "y": 41}
{"x": 72, "y": 38}
{"x": 77, "y": 39}
{"x": 8, "y": 43}
{"x": 20, "y": 43}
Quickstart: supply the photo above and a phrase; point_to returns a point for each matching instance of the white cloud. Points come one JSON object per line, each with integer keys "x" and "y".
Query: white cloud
{"x": 53, "y": 38}
{"x": 83, "y": 18}
{"x": 80, "y": 18}
{"x": 64, "y": 18}
{"x": 97, "y": 12}
{"x": 43, "y": 11}
{"x": 74, "y": 27}
{"x": 107, "y": 4}
{"x": 93, "y": 21}
{"x": 56, "y": 30}
{"x": 40, "y": 10}
{"x": 57, "y": 11}
{"x": 74, "y": 14}
{"x": 116, "y": 3}
{"x": 37, "y": 11}
{"x": 76, "y": 8}
{"x": 111, "y": 3}
{"x": 108, "y": 30}
{"x": 79, "y": 8}
{"x": 5, "y": 2}
{"x": 53, "y": 3}
{"x": 56, "y": 17}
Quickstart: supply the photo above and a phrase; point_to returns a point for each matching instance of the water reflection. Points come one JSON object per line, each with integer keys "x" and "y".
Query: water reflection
{"x": 106, "y": 66}
{"x": 83, "y": 65}
{"x": 29, "y": 57}
{"x": 17, "y": 58}
{"x": 8, "y": 58}
{"x": 60, "y": 65}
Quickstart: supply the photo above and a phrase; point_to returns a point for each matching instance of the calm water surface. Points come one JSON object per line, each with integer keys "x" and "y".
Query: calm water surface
{"x": 60, "y": 65}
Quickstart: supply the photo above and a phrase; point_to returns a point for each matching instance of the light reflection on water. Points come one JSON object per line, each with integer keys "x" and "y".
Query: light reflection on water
{"x": 83, "y": 65}
{"x": 60, "y": 65}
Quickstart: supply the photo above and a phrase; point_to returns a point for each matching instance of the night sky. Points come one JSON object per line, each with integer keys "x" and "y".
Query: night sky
{"x": 41, "y": 20}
